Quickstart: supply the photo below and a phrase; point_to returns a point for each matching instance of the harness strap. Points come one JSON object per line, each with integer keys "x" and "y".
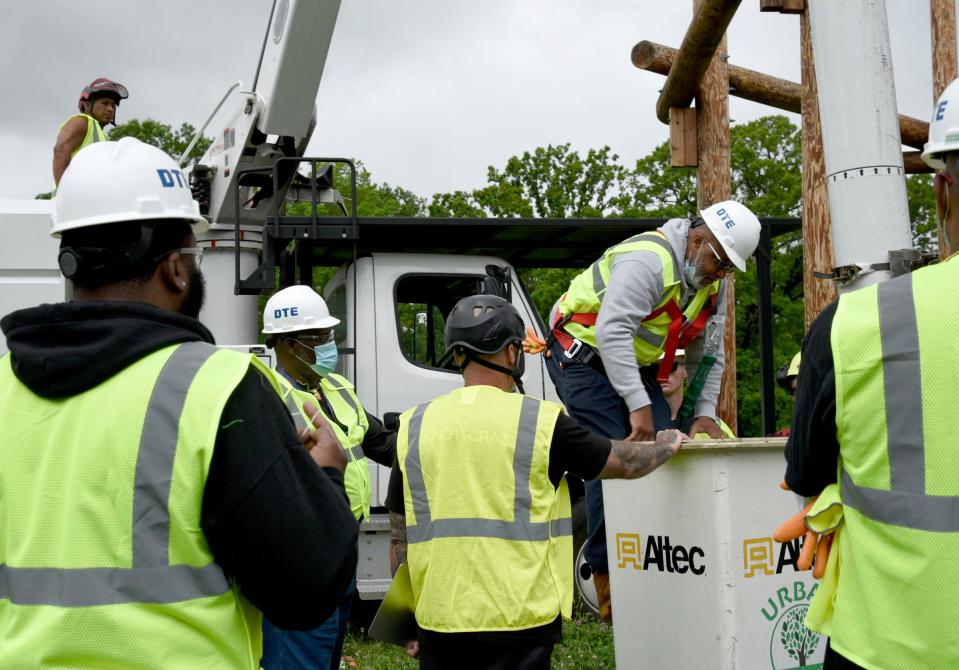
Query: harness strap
{"x": 692, "y": 329}
{"x": 678, "y": 335}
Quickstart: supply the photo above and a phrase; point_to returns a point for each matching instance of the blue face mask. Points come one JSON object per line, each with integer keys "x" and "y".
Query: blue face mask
{"x": 326, "y": 357}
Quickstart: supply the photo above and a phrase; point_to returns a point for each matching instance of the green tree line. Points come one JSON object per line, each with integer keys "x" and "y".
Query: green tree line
{"x": 559, "y": 181}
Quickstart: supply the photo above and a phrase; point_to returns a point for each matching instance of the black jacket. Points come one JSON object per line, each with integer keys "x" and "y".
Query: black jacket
{"x": 276, "y": 523}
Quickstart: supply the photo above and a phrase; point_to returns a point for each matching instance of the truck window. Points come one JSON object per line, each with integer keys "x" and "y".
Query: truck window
{"x": 337, "y": 304}
{"x": 422, "y": 303}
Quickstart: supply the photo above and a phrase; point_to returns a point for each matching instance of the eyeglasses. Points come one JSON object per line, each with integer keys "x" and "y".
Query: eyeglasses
{"x": 196, "y": 252}
{"x": 313, "y": 340}
{"x": 677, "y": 365}
{"x": 725, "y": 266}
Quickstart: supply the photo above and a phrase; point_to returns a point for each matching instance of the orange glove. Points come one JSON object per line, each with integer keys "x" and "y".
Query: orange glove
{"x": 815, "y": 546}
{"x": 533, "y": 343}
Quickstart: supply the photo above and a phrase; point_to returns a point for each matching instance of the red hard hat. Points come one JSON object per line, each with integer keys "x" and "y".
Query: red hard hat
{"x": 102, "y": 85}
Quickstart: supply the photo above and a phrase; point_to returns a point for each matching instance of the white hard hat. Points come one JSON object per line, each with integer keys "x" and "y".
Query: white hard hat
{"x": 943, "y": 128}
{"x": 296, "y": 308}
{"x": 736, "y": 228}
{"x": 129, "y": 180}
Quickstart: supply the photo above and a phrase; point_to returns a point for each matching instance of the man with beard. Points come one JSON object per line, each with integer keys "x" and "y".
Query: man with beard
{"x": 637, "y": 304}
{"x": 156, "y": 496}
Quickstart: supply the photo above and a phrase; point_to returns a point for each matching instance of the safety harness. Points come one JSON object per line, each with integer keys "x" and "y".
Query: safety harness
{"x": 679, "y": 334}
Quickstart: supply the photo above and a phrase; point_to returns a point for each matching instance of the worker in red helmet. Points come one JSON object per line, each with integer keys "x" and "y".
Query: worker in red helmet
{"x": 97, "y": 108}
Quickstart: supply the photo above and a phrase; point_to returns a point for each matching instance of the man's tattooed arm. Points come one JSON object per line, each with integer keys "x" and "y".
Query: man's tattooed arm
{"x": 631, "y": 460}
{"x": 397, "y": 541}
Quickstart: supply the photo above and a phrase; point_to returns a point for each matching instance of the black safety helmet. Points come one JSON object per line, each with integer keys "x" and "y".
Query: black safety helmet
{"x": 485, "y": 324}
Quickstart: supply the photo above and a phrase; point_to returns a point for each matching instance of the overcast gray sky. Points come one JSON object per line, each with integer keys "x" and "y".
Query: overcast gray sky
{"x": 427, "y": 93}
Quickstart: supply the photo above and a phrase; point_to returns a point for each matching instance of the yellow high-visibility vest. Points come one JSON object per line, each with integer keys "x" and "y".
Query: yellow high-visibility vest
{"x": 94, "y": 132}
{"x": 490, "y": 537}
{"x": 103, "y": 563}
{"x": 896, "y": 363}
{"x": 348, "y": 411}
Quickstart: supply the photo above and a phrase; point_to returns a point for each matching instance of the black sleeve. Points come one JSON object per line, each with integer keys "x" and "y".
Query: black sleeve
{"x": 576, "y": 450}
{"x": 277, "y": 524}
{"x": 379, "y": 444}
{"x": 394, "y": 492}
{"x": 813, "y": 449}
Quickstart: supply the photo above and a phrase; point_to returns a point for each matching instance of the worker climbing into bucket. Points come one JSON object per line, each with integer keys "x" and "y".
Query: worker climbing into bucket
{"x": 616, "y": 331}
{"x": 97, "y": 108}
{"x": 872, "y": 438}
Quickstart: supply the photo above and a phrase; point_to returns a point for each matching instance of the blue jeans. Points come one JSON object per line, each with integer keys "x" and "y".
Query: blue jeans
{"x": 317, "y": 649}
{"x": 594, "y": 403}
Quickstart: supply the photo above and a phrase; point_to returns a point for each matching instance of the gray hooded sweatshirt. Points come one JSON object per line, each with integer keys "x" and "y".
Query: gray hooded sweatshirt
{"x": 634, "y": 289}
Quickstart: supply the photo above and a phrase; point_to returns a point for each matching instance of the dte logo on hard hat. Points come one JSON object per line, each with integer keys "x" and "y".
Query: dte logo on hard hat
{"x": 725, "y": 218}
{"x": 166, "y": 178}
{"x": 941, "y": 110}
{"x": 285, "y": 311}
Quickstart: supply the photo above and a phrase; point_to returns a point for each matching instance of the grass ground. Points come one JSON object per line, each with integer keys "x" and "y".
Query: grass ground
{"x": 587, "y": 645}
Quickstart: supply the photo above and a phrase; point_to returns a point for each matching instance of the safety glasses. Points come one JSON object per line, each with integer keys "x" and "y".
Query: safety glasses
{"x": 725, "y": 266}
{"x": 196, "y": 252}
{"x": 314, "y": 340}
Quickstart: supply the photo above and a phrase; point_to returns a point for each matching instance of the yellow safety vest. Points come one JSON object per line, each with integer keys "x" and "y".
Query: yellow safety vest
{"x": 490, "y": 537}
{"x": 585, "y": 296}
{"x": 348, "y": 411}
{"x": 894, "y": 346}
{"x": 103, "y": 563}
{"x": 94, "y": 132}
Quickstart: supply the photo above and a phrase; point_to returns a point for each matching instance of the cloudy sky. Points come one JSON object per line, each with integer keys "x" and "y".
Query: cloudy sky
{"x": 427, "y": 93}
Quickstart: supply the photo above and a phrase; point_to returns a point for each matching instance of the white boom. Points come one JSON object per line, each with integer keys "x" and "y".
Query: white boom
{"x": 273, "y": 120}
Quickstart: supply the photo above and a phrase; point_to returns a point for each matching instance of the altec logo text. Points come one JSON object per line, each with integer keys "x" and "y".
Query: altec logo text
{"x": 661, "y": 554}
{"x": 760, "y": 556}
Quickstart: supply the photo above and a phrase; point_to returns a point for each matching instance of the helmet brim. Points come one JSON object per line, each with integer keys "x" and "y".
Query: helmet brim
{"x": 198, "y": 224}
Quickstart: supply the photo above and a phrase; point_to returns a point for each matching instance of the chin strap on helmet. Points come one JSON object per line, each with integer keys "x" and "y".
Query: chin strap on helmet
{"x": 516, "y": 373}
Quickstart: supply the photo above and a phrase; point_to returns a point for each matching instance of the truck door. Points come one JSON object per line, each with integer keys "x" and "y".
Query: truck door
{"x": 414, "y": 293}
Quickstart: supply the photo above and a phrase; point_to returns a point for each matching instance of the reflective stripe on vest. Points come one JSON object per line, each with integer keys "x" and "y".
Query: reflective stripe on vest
{"x": 599, "y": 284}
{"x": 520, "y": 529}
{"x": 356, "y": 451}
{"x": 906, "y": 502}
{"x": 151, "y": 579}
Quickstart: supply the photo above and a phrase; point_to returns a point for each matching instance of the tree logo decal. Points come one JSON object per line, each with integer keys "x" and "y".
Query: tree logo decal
{"x": 793, "y": 645}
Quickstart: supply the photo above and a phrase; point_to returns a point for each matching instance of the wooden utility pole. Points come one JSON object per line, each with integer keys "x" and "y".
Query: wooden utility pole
{"x": 713, "y": 184}
{"x": 944, "y": 66}
{"x": 816, "y": 226}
